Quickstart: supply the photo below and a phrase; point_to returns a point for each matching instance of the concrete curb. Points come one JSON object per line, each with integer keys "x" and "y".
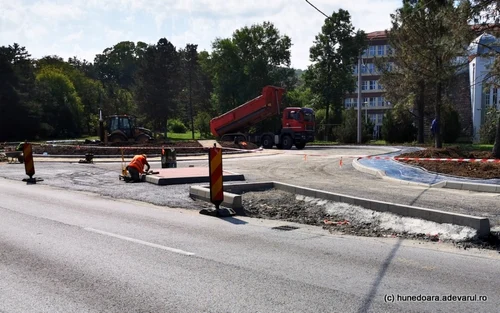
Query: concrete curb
{"x": 443, "y": 184}
{"x": 231, "y": 200}
{"x": 481, "y": 224}
{"x": 163, "y": 181}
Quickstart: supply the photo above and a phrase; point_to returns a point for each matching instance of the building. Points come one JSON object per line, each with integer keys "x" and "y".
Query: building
{"x": 372, "y": 93}
{"x": 471, "y": 98}
{"x": 482, "y": 96}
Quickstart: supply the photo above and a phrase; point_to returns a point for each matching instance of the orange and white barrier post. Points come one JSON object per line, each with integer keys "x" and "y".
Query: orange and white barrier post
{"x": 29, "y": 164}
{"x": 216, "y": 179}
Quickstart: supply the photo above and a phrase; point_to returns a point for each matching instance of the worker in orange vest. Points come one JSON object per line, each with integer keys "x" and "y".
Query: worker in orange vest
{"x": 136, "y": 167}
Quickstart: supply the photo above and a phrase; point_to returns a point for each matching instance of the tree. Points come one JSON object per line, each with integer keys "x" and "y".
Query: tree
{"x": 119, "y": 63}
{"x": 19, "y": 114}
{"x": 242, "y": 65}
{"x": 60, "y": 104}
{"x": 336, "y": 49}
{"x": 90, "y": 91}
{"x": 429, "y": 37}
{"x": 197, "y": 87}
{"x": 158, "y": 83}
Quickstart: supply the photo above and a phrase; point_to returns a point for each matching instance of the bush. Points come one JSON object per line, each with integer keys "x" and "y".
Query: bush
{"x": 176, "y": 126}
{"x": 398, "y": 127}
{"x": 488, "y": 129}
{"x": 347, "y": 132}
{"x": 202, "y": 124}
{"x": 320, "y": 124}
{"x": 451, "y": 125}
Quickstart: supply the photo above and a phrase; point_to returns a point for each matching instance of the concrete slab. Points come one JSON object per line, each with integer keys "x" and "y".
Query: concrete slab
{"x": 209, "y": 143}
{"x": 188, "y": 175}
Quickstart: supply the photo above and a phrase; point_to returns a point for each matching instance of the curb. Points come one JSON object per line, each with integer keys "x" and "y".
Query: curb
{"x": 232, "y": 200}
{"x": 443, "y": 184}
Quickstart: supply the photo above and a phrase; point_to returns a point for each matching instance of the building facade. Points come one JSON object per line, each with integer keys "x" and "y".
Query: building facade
{"x": 483, "y": 94}
{"x": 374, "y": 104}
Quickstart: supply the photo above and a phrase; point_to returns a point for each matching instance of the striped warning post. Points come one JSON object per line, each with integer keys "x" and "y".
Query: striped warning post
{"x": 215, "y": 173}
{"x": 29, "y": 165}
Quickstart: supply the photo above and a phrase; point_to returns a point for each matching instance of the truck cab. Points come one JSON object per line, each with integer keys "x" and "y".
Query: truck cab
{"x": 299, "y": 124}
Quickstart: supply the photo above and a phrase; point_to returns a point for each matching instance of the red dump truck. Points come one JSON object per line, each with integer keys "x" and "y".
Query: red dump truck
{"x": 297, "y": 124}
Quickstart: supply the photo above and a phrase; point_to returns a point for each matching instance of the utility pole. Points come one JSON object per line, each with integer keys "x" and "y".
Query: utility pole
{"x": 191, "y": 101}
{"x": 359, "y": 99}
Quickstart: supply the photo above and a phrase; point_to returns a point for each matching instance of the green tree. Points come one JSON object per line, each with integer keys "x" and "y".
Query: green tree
{"x": 202, "y": 124}
{"x": 61, "y": 106}
{"x": 397, "y": 125}
{"x": 90, "y": 91}
{"x": 347, "y": 132}
{"x": 158, "y": 83}
{"x": 336, "y": 49}
{"x": 19, "y": 114}
{"x": 428, "y": 36}
{"x": 242, "y": 65}
{"x": 196, "y": 84}
{"x": 119, "y": 63}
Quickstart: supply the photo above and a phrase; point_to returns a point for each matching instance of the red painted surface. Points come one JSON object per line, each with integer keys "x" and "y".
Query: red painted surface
{"x": 185, "y": 172}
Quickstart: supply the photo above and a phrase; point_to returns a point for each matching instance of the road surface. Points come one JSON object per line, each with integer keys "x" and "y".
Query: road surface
{"x": 320, "y": 170}
{"x": 67, "y": 251}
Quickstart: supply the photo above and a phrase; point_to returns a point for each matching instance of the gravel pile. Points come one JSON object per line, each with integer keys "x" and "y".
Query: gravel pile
{"x": 354, "y": 220}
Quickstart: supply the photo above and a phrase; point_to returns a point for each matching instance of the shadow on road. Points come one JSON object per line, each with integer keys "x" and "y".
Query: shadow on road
{"x": 425, "y": 190}
{"x": 381, "y": 273}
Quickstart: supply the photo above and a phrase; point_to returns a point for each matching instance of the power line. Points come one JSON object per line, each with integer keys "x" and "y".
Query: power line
{"x": 317, "y": 9}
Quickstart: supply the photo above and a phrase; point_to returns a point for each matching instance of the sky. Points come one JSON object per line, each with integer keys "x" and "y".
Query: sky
{"x": 84, "y": 28}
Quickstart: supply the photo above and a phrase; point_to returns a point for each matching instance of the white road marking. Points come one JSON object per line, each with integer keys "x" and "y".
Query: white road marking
{"x": 149, "y": 244}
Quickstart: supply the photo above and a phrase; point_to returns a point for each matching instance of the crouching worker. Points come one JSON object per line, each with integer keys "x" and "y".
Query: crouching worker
{"x": 136, "y": 167}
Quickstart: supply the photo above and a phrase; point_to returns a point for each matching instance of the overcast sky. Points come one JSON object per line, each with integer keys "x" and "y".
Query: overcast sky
{"x": 84, "y": 28}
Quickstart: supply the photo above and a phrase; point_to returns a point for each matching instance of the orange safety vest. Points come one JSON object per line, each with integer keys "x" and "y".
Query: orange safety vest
{"x": 138, "y": 162}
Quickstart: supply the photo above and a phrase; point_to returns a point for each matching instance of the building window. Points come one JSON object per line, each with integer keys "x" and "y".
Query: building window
{"x": 372, "y": 102}
{"x": 380, "y": 50}
{"x": 487, "y": 95}
{"x": 388, "y": 50}
{"x": 373, "y": 85}
{"x": 372, "y": 50}
{"x": 365, "y": 85}
{"x": 495, "y": 96}
{"x": 370, "y": 68}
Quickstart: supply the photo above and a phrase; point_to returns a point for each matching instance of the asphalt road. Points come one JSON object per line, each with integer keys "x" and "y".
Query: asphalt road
{"x": 320, "y": 170}
{"x": 67, "y": 251}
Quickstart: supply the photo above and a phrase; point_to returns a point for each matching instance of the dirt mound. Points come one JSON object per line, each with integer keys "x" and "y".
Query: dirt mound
{"x": 184, "y": 147}
{"x": 241, "y": 145}
{"x": 449, "y": 152}
{"x": 463, "y": 169}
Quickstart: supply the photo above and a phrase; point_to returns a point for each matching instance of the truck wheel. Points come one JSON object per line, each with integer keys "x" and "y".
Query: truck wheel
{"x": 267, "y": 142}
{"x": 287, "y": 142}
{"x": 300, "y": 145}
{"x": 142, "y": 138}
{"x": 117, "y": 138}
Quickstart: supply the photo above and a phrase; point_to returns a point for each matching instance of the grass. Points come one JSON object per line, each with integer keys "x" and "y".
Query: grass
{"x": 184, "y": 136}
{"x": 471, "y": 147}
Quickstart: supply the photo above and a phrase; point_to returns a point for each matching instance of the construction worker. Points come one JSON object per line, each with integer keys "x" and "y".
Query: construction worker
{"x": 136, "y": 167}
